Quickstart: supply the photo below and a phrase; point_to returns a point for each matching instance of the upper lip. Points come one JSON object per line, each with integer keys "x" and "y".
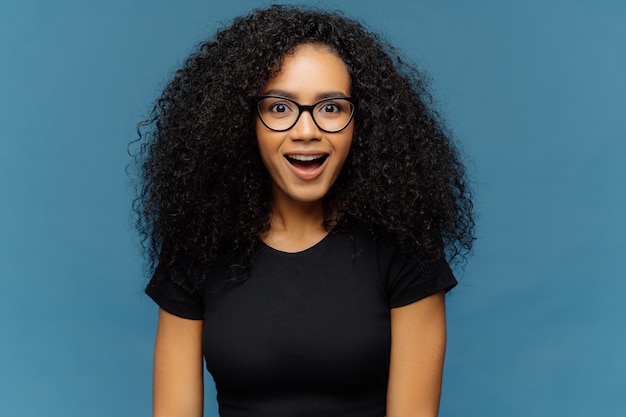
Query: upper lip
{"x": 305, "y": 156}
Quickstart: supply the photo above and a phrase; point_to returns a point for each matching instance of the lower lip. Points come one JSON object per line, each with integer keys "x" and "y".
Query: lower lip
{"x": 308, "y": 174}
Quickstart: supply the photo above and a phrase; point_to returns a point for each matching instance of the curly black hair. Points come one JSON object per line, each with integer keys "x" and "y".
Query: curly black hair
{"x": 204, "y": 192}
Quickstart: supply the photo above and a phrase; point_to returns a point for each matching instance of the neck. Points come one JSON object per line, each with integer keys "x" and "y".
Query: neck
{"x": 295, "y": 226}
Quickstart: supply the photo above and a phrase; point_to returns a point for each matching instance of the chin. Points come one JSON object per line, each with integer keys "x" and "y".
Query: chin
{"x": 307, "y": 196}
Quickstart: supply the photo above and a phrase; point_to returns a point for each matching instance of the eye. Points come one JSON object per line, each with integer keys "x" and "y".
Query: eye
{"x": 333, "y": 108}
{"x": 276, "y": 108}
{"x": 330, "y": 107}
{"x": 279, "y": 108}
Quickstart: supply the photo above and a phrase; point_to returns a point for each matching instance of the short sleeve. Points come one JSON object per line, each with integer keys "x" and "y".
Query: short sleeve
{"x": 407, "y": 282}
{"x": 172, "y": 289}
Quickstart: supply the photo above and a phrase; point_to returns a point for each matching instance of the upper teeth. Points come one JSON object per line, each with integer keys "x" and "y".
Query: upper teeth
{"x": 305, "y": 158}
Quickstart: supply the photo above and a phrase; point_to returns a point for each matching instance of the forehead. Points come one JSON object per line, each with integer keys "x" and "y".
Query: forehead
{"x": 310, "y": 71}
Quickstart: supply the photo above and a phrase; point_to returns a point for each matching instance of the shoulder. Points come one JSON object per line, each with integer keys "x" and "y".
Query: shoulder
{"x": 178, "y": 285}
{"x": 405, "y": 278}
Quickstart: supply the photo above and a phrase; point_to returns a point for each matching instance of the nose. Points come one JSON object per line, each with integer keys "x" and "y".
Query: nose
{"x": 305, "y": 128}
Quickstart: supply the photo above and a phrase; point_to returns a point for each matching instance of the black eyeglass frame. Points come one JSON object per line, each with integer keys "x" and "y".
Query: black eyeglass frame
{"x": 309, "y": 108}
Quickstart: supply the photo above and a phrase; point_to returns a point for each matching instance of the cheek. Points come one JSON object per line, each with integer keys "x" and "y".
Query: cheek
{"x": 258, "y": 132}
{"x": 269, "y": 152}
{"x": 341, "y": 163}
{"x": 347, "y": 143}
{"x": 264, "y": 152}
{"x": 263, "y": 141}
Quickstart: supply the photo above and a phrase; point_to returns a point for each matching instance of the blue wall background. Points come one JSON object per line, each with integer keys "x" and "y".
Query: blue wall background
{"x": 535, "y": 91}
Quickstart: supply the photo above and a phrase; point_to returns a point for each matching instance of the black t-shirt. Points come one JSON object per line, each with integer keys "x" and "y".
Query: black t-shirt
{"x": 308, "y": 334}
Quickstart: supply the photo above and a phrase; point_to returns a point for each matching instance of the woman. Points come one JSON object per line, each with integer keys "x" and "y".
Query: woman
{"x": 299, "y": 199}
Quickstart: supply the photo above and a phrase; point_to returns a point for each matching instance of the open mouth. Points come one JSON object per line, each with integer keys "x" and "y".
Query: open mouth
{"x": 307, "y": 162}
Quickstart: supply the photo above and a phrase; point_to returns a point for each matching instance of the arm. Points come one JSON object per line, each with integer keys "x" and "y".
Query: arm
{"x": 178, "y": 376}
{"x": 418, "y": 342}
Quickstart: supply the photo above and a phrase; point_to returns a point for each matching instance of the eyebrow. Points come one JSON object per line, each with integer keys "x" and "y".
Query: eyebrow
{"x": 318, "y": 96}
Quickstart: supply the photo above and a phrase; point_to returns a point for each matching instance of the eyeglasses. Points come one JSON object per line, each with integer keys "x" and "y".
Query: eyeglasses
{"x": 330, "y": 114}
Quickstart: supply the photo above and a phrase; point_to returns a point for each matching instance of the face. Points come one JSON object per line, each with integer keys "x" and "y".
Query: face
{"x": 305, "y": 161}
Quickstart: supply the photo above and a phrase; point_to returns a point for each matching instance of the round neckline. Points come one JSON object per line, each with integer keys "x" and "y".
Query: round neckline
{"x": 312, "y": 248}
